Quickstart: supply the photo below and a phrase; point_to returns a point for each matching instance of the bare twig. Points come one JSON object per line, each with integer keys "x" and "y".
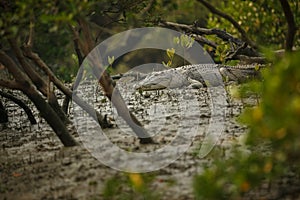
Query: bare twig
{"x": 147, "y": 8}
{"x": 291, "y": 25}
{"x": 31, "y": 33}
{"x": 231, "y": 20}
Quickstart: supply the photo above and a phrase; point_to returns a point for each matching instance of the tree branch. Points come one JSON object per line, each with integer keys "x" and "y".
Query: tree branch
{"x": 68, "y": 92}
{"x": 202, "y": 31}
{"x": 66, "y": 101}
{"x": 88, "y": 40}
{"x": 242, "y": 47}
{"x": 21, "y": 104}
{"x": 15, "y": 71}
{"x": 10, "y": 84}
{"x": 39, "y": 82}
{"x": 203, "y": 40}
{"x": 246, "y": 60}
{"x": 3, "y": 116}
{"x": 231, "y": 20}
{"x": 147, "y": 8}
{"x": 31, "y": 73}
{"x": 110, "y": 91}
{"x": 31, "y": 33}
{"x": 44, "y": 108}
{"x": 291, "y": 25}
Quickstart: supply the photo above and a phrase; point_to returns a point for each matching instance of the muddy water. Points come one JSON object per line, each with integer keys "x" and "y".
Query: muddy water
{"x": 34, "y": 165}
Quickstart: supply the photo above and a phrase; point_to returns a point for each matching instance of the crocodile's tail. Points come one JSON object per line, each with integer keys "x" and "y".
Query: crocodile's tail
{"x": 240, "y": 75}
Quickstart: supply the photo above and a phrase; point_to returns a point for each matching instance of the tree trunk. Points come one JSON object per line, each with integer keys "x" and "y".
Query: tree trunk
{"x": 23, "y": 83}
{"x": 51, "y": 117}
{"x": 106, "y": 83}
{"x": 43, "y": 86}
{"x": 74, "y": 86}
{"x": 80, "y": 58}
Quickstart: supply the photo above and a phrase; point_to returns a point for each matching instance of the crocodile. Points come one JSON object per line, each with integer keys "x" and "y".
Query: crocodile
{"x": 198, "y": 75}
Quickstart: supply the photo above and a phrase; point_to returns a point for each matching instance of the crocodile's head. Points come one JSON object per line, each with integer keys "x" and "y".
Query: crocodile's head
{"x": 163, "y": 79}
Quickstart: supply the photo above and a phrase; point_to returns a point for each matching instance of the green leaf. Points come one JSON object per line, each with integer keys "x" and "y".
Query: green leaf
{"x": 256, "y": 67}
{"x": 176, "y": 40}
{"x": 111, "y": 60}
{"x": 170, "y": 53}
{"x": 168, "y": 64}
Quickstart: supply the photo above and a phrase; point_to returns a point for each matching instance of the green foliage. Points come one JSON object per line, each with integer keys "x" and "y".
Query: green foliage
{"x": 226, "y": 180}
{"x": 15, "y": 16}
{"x": 52, "y": 20}
{"x": 170, "y": 54}
{"x": 185, "y": 43}
{"x": 263, "y": 20}
{"x": 273, "y": 137}
{"x": 130, "y": 186}
{"x": 187, "y": 11}
{"x": 52, "y": 39}
{"x": 277, "y": 117}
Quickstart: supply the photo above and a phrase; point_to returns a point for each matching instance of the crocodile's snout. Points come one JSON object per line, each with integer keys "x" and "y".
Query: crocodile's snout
{"x": 153, "y": 82}
{"x": 148, "y": 87}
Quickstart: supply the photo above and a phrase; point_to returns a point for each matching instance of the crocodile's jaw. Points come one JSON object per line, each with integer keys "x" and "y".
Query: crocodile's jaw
{"x": 150, "y": 87}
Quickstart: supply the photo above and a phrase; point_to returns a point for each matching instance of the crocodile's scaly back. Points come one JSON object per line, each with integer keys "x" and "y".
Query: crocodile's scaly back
{"x": 207, "y": 74}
